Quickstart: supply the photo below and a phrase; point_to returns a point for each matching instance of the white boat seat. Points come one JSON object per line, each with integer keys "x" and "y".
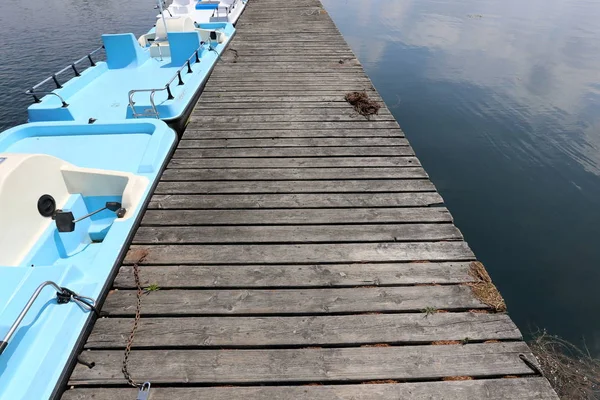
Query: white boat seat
{"x": 50, "y": 176}
{"x": 174, "y": 24}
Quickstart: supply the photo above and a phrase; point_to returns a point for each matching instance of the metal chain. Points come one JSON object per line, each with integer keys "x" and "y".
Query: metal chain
{"x": 124, "y": 369}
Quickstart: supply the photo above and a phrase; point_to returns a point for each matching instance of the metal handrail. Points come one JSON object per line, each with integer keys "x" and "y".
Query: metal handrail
{"x": 167, "y": 87}
{"x": 53, "y": 77}
{"x": 63, "y": 294}
{"x": 228, "y": 9}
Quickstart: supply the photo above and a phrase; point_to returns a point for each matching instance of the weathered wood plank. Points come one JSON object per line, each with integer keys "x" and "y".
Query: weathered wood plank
{"x": 309, "y": 365}
{"x": 291, "y": 142}
{"x": 298, "y": 91}
{"x": 245, "y": 47}
{"x": 290, "y": 234}
{"x": 266, "y": 187}
{"x": 399, "y": 215}
{"x": 303, "y": 331}
{"x": 274, "y": 56}
{"x": 270, "y": 174}
{"x": 269, "y": 105}
{"x": 315, "y": 112}
{"x": 302, "y": 253}
{"x": 313, "y": 69}
{"x": 293, "y": 99}
{"x": 270, "y": 57}
{"x": 295, "y": 112}
{"x": 490, "y": 389}
{"x": 265, "y": 201}
{"x": 290, "y": 79}
{"x": 301, "y": 91}
{"x": 294, "y": 152}
{"x": 321, "y": 162}
{"x": 293, "y": 301}
{"x": 357, "y": 124}
{"x": 287, "y": 29}
{"x": 264, "y": 276}
{"x": 291, "y": 133}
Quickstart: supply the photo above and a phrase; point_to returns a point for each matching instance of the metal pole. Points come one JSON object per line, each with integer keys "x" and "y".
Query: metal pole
{"x": 162, "y": 14}
{"x": 15, "y": 325}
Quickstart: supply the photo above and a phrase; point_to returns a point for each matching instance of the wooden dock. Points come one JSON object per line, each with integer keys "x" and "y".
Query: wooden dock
{"x": 300, "y": 250}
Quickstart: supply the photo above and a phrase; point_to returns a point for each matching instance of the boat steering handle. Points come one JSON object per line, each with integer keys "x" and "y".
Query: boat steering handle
{"x": 63, "y": 295}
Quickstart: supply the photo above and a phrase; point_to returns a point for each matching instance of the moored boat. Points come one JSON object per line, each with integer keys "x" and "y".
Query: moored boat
{"x": 71, "y": 196}
{"x": 161, "y": 75}
{"x": 202, "y": 11}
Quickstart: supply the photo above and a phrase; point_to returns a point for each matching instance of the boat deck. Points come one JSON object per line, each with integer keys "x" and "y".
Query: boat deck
{"x": 299, "y": 249}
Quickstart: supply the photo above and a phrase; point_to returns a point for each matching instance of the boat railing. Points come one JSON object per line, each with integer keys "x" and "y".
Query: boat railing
{"x": 153, "y": 112}
{"x": 228, "y": 9}
{"x": 63, "y": 295}
{"x": 73, "y": 67}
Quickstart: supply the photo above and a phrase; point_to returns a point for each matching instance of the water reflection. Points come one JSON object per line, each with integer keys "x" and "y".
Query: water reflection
{"x": 501, "y": 101}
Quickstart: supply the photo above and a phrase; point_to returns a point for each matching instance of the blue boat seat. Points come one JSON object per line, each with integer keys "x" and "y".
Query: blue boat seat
{"x": 123, "y": 50}
{"x": 207, "y": 5}
{"x": 183, "y": 45}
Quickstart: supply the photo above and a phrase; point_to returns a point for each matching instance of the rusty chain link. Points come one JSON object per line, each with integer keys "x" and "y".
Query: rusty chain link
{"x": 124, "y": 369}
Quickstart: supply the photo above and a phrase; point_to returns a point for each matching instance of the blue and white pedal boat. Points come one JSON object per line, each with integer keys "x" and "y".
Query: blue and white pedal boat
{"x": 71, "y": 196}
{"x": 202, "y": 11}
{"x": 161, "y": 75}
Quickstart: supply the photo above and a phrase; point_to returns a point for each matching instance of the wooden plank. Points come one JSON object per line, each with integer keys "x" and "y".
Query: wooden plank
{"x": 307, "y": 57}
{"x": 268, "y": 29}
{"x": 291, "y": 133}
{"x": 358, "y": 124}
{"x": 308, "y": 86}
{"x": 266, "y": 187}
{"x": 260, "y": 79}
{"x": 399, "y": 215}
{"x": 269, "y": 105}
{"x": 322, "y": 162}
{"x": 293, "y": 301}
{"x": 291, "y": 91}
{"x": 291, "y": 142}
{"x": 293, "y": 234}
{"x": 290, "y": 99}
{"x": 299, "y": 93}
{"x": 490, "y": 389}
{"x": 317, "y": 46}
{"x": 265, "y": 201}
{"x": 314, "y": 112}
{"x": 314, "y": 69}
{"x": 303, "y": 253}
{"x": 290, "y": 39}
{"x": 245, "y": 49}
{"x": 294, "y": 152}
{"x": 309, "y": 365}
{"x": 304, "y": 275}
{"x": 270, "y": 174}
{"x": 303, "y": 331}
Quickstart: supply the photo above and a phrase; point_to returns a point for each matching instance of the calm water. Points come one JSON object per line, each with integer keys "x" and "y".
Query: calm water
{"x": 501, "y": 101}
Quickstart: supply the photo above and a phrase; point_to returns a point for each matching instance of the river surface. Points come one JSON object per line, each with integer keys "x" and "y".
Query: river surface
{"x": 500, "y": 100}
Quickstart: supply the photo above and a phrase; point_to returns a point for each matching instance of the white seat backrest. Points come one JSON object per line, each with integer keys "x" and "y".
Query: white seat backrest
{"x": 174, "y": 24}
